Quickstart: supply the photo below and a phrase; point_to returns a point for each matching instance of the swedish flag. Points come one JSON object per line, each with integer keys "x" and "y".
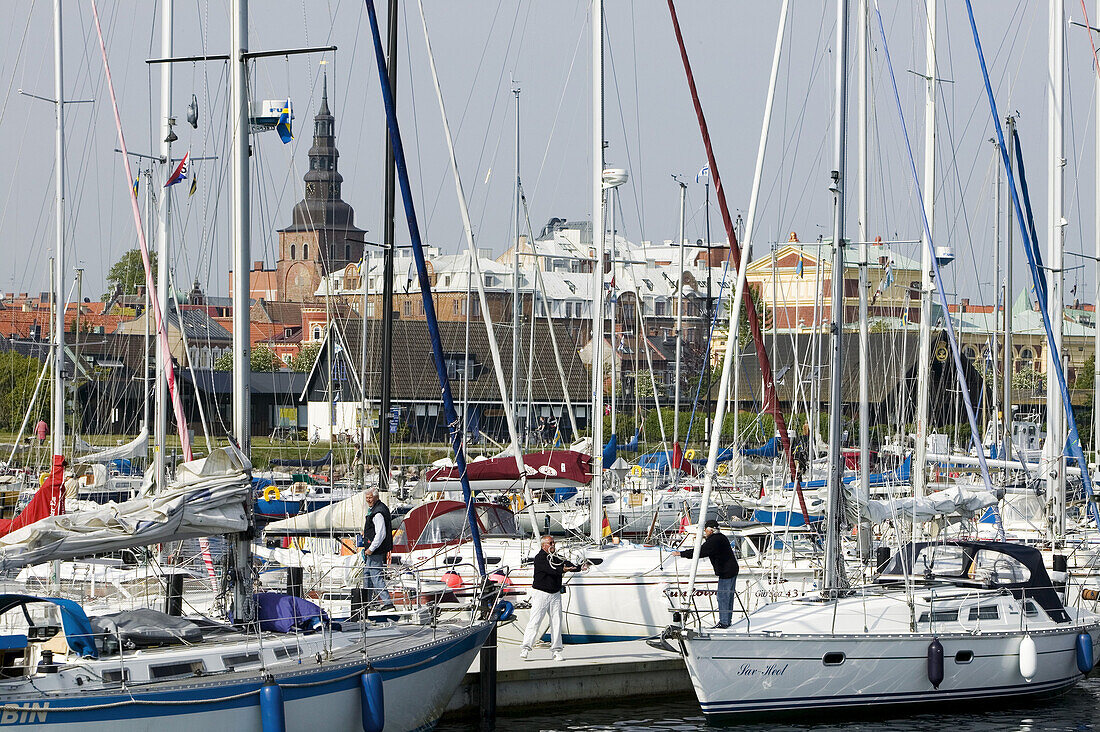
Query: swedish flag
{"x": 283, "y": 126}
{"x": 136, "y": 186}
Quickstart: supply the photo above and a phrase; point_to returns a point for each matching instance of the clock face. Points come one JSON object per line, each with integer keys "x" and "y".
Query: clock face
{"x": 311, "y": 188}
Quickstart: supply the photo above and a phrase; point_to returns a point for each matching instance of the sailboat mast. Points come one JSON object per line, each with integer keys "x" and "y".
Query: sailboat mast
{"x": 58, "y": 426}
{"x": 160, "y": 416}
{"x": 993, "y": 349}
{"x": 613, "y": 297}
{"x": 1010, "y": 124}
{"x": 864, "y": 234}
{"x": 1054, "y": 446}
{"x": 834, "y": 553}
{"x": 595, "y": 503}
{"x": 1096, "y": 267}
{"x": 516, "y": 302}
{"x": 241, "y": 552}
{"x": 388, "y": 253}
{"x": 680, "y": 324}
{"x": 924, "y": 356}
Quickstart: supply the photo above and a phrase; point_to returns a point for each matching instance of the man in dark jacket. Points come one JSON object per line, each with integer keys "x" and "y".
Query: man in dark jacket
{"x": 377, "y": 546}
{"x": 718, "y": 549}
{"x": 546, "y": 583}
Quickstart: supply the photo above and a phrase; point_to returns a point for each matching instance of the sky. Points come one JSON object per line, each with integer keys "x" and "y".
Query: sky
{"x": 486, "y": 49}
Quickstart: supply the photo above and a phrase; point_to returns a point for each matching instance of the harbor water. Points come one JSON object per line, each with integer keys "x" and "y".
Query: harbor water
{"x": 1075, "y": 711}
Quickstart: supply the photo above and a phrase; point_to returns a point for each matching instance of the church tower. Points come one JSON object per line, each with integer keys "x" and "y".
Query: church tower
{"x": 322, "y": 236}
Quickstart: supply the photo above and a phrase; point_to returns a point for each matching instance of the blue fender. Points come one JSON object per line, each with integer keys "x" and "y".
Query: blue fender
{"x": 1085, "y": 660}
{"x": 272, "y": 716}
{"x": 374, "y": 707}
{"x": 505, "y": 610}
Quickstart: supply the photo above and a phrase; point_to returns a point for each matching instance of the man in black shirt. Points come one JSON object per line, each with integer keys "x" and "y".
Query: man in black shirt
{"x": 377, "y": 546}
{"x": 549, "y": 569}
{"x": 718, "y": 549}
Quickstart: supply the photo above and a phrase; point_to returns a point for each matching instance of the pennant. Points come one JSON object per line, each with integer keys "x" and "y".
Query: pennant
{"x": 136, "y": 187}
{"x": 704, "y": 174}
{"x": 180, "y": 172}
{"x": 194, "y": 186}
{"x": 283, "y": 126}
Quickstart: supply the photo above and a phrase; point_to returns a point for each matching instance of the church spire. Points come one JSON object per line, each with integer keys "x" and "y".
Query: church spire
{"x": 324, "y": 110}
{"x": 323, "y": 180}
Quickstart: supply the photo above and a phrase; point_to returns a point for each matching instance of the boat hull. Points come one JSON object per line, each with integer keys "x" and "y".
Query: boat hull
{"x": 740, "y": 675}
{"x": 417, "y": 685}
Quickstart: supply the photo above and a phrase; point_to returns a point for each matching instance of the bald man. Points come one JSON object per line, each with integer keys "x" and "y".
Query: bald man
{"x": 546, "y": 597}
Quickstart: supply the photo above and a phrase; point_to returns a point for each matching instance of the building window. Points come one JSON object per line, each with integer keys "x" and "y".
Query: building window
{"x": 370, "y": 309}
{"x": 851, "y": 288}
{"x": 305, "y": 251}
{"x": 292, "y": 251}
{"x": 407, "y": 308}
{"x": 316, "y": 332}
{"x": 347, "y": 252}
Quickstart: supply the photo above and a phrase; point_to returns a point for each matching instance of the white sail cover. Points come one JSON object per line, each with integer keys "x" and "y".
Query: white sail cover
{"x": 951, "y": 501}
{"x": 342, "y": 518}
{"x": 207, "y": 498}
{"x": 133, "y": 448}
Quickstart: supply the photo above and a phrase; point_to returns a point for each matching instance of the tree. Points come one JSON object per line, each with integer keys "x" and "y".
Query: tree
{"x": 128, "y": 273}
{"x": 1086, "y": 374}
{"x": 18, "y": 375}
{"x": 261, "y": 358}
{"x": 303, "y": 360}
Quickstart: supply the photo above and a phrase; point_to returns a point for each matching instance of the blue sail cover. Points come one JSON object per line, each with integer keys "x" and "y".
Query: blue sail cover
{"x": 610, "y": 451}
{"x": 656, "y": 460}
{"x": 632, "y": 446}
{"x": 770, "y": 449}
{"x": 898, "y": 475}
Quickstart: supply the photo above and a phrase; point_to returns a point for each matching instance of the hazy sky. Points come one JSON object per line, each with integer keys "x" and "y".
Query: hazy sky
{"x": 484, "y": 48}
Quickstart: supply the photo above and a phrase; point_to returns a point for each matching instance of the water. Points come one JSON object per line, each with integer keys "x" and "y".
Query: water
{"x": 1076, "y": 711}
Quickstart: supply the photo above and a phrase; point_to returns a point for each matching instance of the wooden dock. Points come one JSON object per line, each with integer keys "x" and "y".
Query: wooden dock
{"x": 590, "y": 673}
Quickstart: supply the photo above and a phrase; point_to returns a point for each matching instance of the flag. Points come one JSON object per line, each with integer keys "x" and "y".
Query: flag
{"x": 704, "y": 174}
{"x": 136, "y": 186}
{"x": 798, "y": 269}
{"x": 180, "y": 172}
{"x": 605, "y": 526}
{"x": 283, "y": 126}
{"x": 194, "y": 186}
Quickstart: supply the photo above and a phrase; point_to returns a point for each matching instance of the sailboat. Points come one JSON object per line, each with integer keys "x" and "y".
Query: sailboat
{"x": 282, "y": 663}
{"x": 946, "y": 621}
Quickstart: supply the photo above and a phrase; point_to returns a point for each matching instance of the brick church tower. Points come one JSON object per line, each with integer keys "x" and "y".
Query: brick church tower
{"x": 322, "y": 237}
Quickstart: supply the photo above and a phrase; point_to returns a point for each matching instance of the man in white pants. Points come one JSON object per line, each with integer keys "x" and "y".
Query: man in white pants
{"x": 546, "y": 597}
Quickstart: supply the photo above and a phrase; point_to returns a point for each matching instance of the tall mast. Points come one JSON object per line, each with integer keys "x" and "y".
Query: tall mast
{"x": 241, "y": 224}
{"x": 514, "y": 396}
{"x": 834, "y": 553}
{"x": 864, "y": 233}
{"x": 1054, "y": 444}
{"x": 680, "y": 324}
{"x": 595, "y": 503}
{"x": 58, "y": 426}
{"x": 241, "y": 556}
{"x": 613, "y": 298}
{"x": 924, "y": 358}
{"x": 1096, "y": 264}
{"x": 163, "y": 246}
{"x": 1009, "y": 364}
{"x": 388, "y": 252}
{"x": 994, "y": 351}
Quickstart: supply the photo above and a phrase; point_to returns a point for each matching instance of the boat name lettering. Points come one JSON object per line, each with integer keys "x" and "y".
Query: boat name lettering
{"x": 772, "y": 669}
{"x": 695, "y": 593}
{"x": 25, "y": 713}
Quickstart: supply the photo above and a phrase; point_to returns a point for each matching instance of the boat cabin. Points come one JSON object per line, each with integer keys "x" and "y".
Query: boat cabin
{"x": 983, "y": 564}
{"x": 443, "y": 523}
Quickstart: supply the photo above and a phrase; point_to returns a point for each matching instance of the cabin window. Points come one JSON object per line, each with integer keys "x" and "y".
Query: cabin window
{"x": 240, "y": 660}
{"x": 984, "y": 612}
{"x": 1031, "y": 610}
{"x": 286, "y": 651}
{"x": 175, "y": 670}
{"x": 939, "y": 616}
{"x": 833, "y": 658}
{"x": 998, "y": 568}
{"x": 116, "y": 675}
{"x": 964, "y": 657}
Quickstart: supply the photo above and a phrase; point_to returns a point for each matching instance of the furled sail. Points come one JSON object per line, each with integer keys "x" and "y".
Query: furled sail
{"x": 133, "y": 448}
{"x": 207, "y": 498}
{"x": 342, "y": 518}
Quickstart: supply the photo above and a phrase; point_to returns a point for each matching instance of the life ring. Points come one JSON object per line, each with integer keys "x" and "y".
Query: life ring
{"x": 690, "y": 454}
{"x": 723, "y": 469}
{"x": 272, "y": 493}
{"x": 941, "y": 353}
{"x": 636, "y": 470}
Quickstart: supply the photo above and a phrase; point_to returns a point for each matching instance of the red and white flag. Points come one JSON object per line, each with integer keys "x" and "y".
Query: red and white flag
{"x": 180, "y": 172}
